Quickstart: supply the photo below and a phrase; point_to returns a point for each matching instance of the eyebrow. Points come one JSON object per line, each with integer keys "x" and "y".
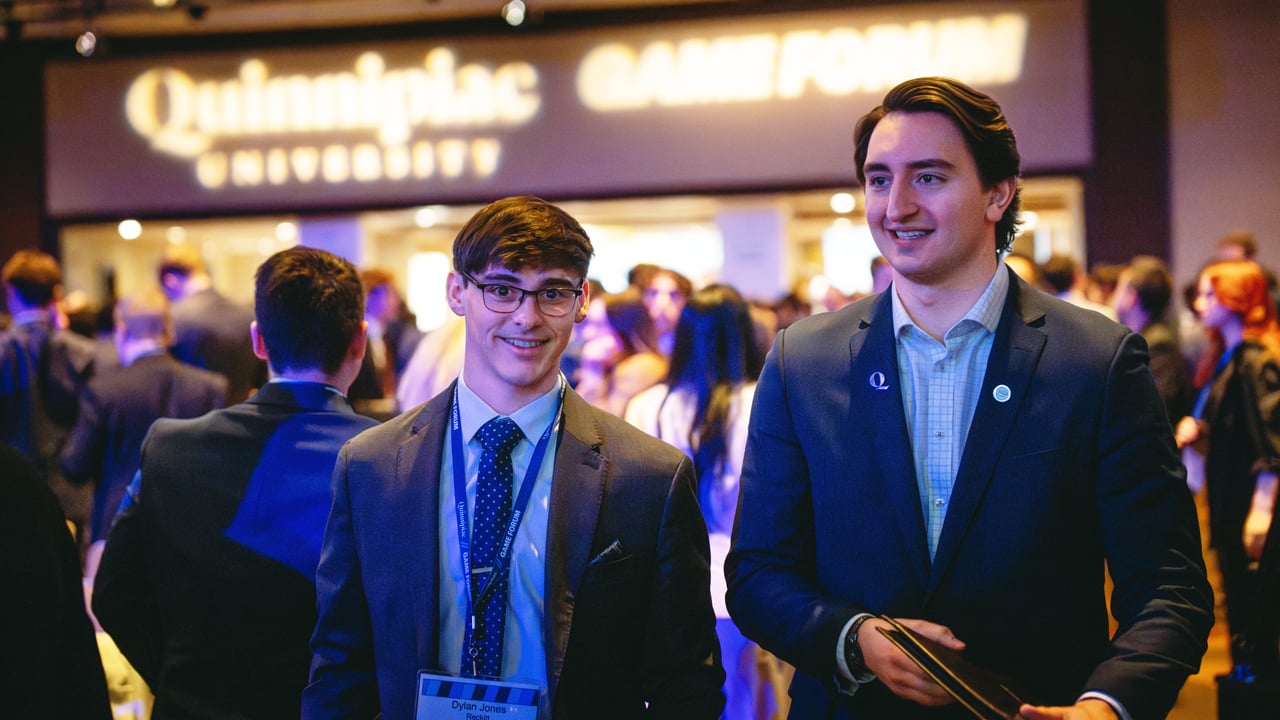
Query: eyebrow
{"x": 925, "y": 164}
{"x": 504, "y": 278}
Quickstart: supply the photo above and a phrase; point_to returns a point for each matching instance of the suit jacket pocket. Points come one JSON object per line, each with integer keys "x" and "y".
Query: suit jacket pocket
{"x": 609, "y": 573}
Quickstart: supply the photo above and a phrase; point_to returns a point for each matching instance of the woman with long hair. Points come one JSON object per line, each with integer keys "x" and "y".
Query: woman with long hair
{"x": 1236, "y": 425}
{"x": 703, "y": 408}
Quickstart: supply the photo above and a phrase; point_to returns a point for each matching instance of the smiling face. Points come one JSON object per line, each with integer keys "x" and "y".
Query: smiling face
{"x": 928, "y": 209}
{"x": 511, "y": 359}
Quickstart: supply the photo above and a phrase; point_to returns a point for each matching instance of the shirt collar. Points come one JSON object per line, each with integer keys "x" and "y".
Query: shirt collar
{"x": 985, "y": 312}
{"x": 30, "y": 317}
{"x": 533, "y": 418}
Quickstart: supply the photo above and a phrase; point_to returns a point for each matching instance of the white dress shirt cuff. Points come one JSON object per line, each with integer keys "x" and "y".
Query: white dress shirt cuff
{"x": 1114, "y": 703}
{"x": 846, "y": 682}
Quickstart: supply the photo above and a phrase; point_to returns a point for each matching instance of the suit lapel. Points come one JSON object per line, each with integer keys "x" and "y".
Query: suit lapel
{"x": 418, "y": 463}
{"x": 577, "y": 489}
{"x": 1015, "y": 352}
{"x": 876, "y": 412}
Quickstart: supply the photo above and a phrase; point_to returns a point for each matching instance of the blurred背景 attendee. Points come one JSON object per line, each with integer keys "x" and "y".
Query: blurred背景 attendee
{"x": 209, "y": 330}
{"x": 1235, "y": 424}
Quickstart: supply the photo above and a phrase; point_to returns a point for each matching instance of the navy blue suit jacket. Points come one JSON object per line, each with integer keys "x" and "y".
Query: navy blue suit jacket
{"x": 633, "y": 637}
{"x": 207, "y": 582}
{"x": 1075, "y": 468}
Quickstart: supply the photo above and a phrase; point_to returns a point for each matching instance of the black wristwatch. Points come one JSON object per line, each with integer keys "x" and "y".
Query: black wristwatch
{"x": 852, "y": 651}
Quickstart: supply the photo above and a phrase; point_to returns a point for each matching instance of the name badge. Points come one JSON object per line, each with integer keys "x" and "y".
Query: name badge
{"x": 445, "y": 697}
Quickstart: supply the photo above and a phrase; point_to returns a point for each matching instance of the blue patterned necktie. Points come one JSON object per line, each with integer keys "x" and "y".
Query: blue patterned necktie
{"x": 499, "y": 437}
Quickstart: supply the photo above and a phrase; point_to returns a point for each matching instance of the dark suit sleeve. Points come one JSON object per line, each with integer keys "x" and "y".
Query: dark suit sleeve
{"x": 124, "y": 600}
{"x": 343, "y": 674}
{"x": 82, "y": 457}
{"x": 682, "y": 670}
{"x": 1162, "y": 599}
{"x": 773, "y": 594}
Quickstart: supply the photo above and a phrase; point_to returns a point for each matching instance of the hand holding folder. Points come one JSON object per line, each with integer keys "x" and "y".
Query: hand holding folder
{"x": 986, "y": 694}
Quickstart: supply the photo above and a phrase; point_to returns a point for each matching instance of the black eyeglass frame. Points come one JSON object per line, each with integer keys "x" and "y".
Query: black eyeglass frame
{"x": 537, "y": 296}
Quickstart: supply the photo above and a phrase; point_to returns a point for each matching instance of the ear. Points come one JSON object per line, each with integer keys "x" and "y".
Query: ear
{"x": 359, "y": 341}
{"x": 454, "y": 286}
{"x": 1001, "y": 195}
{"x": 259, "y": 345}
{"x": 581, "y": 314}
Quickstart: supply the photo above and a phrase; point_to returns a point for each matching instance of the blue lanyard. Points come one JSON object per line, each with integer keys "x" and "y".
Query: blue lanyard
{"x": 1203, "y": 398}
{"x": 501, "y": 562}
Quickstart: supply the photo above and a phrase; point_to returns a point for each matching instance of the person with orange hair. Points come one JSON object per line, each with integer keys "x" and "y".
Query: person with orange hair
{"x": 1235, "y": 424}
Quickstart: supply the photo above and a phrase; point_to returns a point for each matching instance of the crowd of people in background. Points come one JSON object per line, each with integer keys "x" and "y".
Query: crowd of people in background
{"x": 679, "y": 362}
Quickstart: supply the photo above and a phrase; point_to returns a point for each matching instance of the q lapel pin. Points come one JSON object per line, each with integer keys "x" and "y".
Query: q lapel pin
{"x": 1002, "y": 393}
{"x": 877, "y": 381}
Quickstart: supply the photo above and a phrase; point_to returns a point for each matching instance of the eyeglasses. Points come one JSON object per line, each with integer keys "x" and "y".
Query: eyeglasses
{"x": 502, "y": 298}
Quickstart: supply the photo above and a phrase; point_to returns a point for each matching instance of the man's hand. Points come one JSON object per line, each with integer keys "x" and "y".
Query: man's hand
{"x": 1089, "y": 709}
{"x": 897, "y": 671}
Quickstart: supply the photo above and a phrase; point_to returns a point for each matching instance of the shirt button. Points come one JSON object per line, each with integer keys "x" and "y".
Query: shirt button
{"x": 939, "y": 502}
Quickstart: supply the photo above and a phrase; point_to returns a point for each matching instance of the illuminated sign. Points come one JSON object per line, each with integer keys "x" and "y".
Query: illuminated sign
{"x": 253, "y": 130}
{"x": 838, "y": 61}
{"x": 722, "y": 104}
{"x": 191, "y": 118}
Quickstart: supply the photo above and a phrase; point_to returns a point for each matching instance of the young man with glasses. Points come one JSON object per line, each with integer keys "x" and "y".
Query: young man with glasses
{"x": 581, "y": 537}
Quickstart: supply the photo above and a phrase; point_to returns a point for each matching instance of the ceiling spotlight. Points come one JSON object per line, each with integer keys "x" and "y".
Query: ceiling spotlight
{"x": 514, "y": 13}
{"x": 86, "y": 43}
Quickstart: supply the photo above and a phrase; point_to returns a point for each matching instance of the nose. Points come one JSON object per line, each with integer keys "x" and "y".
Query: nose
{"x": 527, "y": 312}
{"x": 901, "y": 203}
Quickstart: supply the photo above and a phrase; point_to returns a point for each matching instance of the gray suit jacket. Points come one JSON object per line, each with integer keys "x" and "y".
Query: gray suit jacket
{"x": 630, "y": 638}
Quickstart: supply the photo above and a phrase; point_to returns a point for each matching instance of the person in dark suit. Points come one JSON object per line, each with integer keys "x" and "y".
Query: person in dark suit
{"x": 43, "y": 371}
{"x": 121, "y": 402}
{"x": 607, "y": 609}
{"x": 50, "y": 667}
{"x": 207, "y": 581}
{"x": 209, "y": 330}
{"x": 964, "y": 453}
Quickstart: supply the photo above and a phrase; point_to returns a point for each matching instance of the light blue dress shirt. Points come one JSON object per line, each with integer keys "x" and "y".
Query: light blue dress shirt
{"x": 524, "y": 650}
{"x": 941, "y": 383}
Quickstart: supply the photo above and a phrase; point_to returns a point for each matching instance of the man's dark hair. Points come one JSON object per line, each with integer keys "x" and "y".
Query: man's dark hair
{"x": 981, "y": 122}
{"x": 521, "y": 232}
{"x": 34, "y": 276}
{"x": 309, "y": 305}
{"x": 1242, "y": 239}
{"x": 1059, "y": 272}
{"x": 1152, "y": 285}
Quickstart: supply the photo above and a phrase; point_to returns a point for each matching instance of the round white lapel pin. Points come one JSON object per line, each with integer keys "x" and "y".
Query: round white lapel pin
{"x": 1002, "y": 393}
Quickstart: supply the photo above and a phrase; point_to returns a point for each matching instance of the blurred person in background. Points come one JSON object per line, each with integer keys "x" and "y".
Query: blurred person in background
{"x": 209, "y": 330}
{"x": 881, "y": 274}
{"x": 664, "y": 293}
{"x": 122, "y": 400}
{"x": 1026, "y": 268}
{"x": 1235, "y": 424}
{"x": 703, "y": 408}
{"x": 43, "y": 371}
{"x": 1064, "y": 277}
{"x": 1143, "y": 303}
{"x": 1102, "y": 282}
{"x": 617, "y": 358}
{"x": 393, "y": 337}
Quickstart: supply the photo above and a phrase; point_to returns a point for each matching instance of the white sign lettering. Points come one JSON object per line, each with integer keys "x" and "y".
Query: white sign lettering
{"x": 198, "y": 119}
{"x": 616, "y": 77}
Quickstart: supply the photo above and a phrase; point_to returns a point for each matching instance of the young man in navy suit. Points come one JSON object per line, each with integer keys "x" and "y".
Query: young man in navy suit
{"x": 207, "y": 581}
{"x": 965, "y": 454}
{"x": 603, "y": 607}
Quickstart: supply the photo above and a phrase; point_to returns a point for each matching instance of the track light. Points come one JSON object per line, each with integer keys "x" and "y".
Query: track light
{"x": 514, "y": 13}
{"x": 86, "y": 43}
